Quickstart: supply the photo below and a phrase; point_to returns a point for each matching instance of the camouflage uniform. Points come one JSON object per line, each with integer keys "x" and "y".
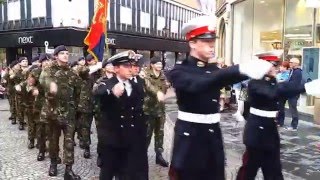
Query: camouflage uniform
{"x": 66, "y": 107}
{"x": 85, "y": 106}
{"x": 48, "y": 114}
{"x": 154, "y": 110}
{"x": 11, "y": 97}
{"x": 19, "y": 77}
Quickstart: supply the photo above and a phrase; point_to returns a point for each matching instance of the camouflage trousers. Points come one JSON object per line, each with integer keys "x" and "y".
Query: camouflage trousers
{"x": 155, "y": 124}
{"x": 55, "y": 129}
{"x": 42, "y": 136}
{"x": 33, "y": 118}
{"x": 85, "y": 121}
{"x": 20, "y": 109}
{"x": 12, "y": 103}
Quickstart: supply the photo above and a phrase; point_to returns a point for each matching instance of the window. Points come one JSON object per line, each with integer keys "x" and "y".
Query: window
{"x": 298, "y": 28}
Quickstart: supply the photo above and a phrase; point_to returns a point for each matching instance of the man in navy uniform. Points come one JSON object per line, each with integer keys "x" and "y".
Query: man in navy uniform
{"x": 261, "y": 135}
{"x": 198, "y": 148}
{"x": 123, "y": 129}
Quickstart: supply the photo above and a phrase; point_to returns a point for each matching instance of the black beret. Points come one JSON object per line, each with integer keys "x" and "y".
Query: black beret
{"x": 73, "y": 63}
{"x": 44, "y": 57}
{"x": 35, "y": 58}
{"x": 13, "y": 63}
{"x": 155, "y": 59}
{"x": 22, "y": 58}
{"x": 123, "y": 57}
{"x": 89, "y": 57}
{"x": 59, "y": 49}
{"x": 81, "y": 58}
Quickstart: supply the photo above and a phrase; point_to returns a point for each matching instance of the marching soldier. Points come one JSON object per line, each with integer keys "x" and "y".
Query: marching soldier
{"x": 63, "y": 88}
{"x": 198, "y": 148}
{"x": 154, "y": 107}
{"x": 123, "y": 131}
{"x": 261, "y": 135}
{"x": 42, "y": 134}
{"x": 14, "y": 66}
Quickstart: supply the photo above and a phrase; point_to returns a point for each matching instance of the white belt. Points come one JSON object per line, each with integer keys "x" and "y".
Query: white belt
{"x": 199, "y": 118}
{"x": 263, "y": 113}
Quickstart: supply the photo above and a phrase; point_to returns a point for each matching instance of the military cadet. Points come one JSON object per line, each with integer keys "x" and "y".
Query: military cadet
{"x": 123, "y": 131}
{"x": 261, "y": 135}
{"x": 30, "y": 91}
{"x": 41, "y": 124}
{"x": 108, "y": 72}
{"x": 85, "y": 107}
{"x": 65, "y": 88}
{"x": 154, "y": 107}
{"x": 198, "y": 148}
{"x": 14, "y": 66}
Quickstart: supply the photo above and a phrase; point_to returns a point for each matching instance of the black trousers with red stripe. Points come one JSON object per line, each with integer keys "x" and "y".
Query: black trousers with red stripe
{"x": 267, "y": 160}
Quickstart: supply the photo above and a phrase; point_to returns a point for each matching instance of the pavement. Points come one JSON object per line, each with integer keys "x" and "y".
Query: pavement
{"x": 300, "y": 155}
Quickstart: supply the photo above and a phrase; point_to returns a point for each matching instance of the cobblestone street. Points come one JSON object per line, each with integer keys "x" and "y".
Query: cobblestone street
{"x": 300, "y": 156}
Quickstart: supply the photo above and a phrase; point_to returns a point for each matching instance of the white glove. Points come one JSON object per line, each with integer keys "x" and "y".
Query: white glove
{"x": 35, "y": 92}
{"x": 118, "y": 89}
{"x": 313, "y": 87}
{"x": 95, "y": 67}
{"x": 18, "y": 88}
{"x": 160, "y": 96}
{"x": 255, "y": 69}
{"x": 53, "y": 88}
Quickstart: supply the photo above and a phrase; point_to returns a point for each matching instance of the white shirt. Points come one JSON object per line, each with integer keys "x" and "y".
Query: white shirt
{"x": 127, "y": 85}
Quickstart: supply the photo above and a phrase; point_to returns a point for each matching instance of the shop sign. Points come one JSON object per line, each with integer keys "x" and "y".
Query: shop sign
{"x": 111, "y": 41}
{"x": 25, "y": 40}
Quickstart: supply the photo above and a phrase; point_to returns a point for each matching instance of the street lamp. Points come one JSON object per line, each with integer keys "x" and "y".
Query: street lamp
{"x": 166, "y": 31}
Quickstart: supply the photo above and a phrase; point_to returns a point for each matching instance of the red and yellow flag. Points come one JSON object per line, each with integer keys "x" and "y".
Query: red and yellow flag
{"x": 95, "y": 39}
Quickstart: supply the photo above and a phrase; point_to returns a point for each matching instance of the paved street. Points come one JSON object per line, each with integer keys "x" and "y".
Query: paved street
{"x": 299, "y": 153}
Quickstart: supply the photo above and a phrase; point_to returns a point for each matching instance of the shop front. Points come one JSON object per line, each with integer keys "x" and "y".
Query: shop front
{"x": 264, "y": 25}
{"x": 29, "y": 43}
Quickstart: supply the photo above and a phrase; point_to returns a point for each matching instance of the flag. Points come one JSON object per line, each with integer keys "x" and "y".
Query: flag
{"x": 95, "y": 39}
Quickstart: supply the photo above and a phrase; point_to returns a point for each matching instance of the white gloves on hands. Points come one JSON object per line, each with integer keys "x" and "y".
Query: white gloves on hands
{"x": 255, "y": 69}
{"x": 118, "y": 89}
{"x": 313, "y": 88}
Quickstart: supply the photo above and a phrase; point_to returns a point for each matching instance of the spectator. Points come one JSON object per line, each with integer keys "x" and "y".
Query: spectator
{"x": 295, "y": 77}
{"x": 282, "y": 76}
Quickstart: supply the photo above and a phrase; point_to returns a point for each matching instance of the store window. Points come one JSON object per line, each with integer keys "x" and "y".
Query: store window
{"x": 298, "y": 28}
{"x": 3, "y": 60}
{"x": 242, "y": 31}
{"x": 267, "y": 25}
{"x": 258, "y": 26}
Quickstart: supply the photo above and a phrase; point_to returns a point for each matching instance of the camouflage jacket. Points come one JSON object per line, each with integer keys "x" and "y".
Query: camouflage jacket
{"x": 153, "y": 84}
{"x": 30, "y": 100}
{"x": 67, "y": 94}
{"x": 48, "y": 109}
{"x": 85, "y": 103}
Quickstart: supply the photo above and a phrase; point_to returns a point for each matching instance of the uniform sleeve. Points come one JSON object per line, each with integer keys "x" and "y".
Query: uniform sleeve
{"x": 182, "y": 78}
{"x": 284, "y": 89}
{"x": 102, "y": 88}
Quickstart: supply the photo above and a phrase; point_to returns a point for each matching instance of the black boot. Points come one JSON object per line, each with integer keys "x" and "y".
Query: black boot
{"x": 31, "y": 144}
{"x": 11, "y": 118}
{"x": 59, "y": 161}
{"x": 99, "y": 161}
{"x": 41, "y": 156}
{"x": 69, "y": 174}
{"x": 21, "y": 126}
{"x": 86, "y": 153}
{"x": 161, "y": 161}
{"x": 53, "y": 169}
{"x": 14, "y": 121}
{"x": 81, "y": 145}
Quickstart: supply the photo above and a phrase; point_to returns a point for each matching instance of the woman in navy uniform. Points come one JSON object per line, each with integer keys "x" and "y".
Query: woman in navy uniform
{"x": 261, "y": 135}
{"x": 198, "y": 148}
{"x": 123, "y": 129}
